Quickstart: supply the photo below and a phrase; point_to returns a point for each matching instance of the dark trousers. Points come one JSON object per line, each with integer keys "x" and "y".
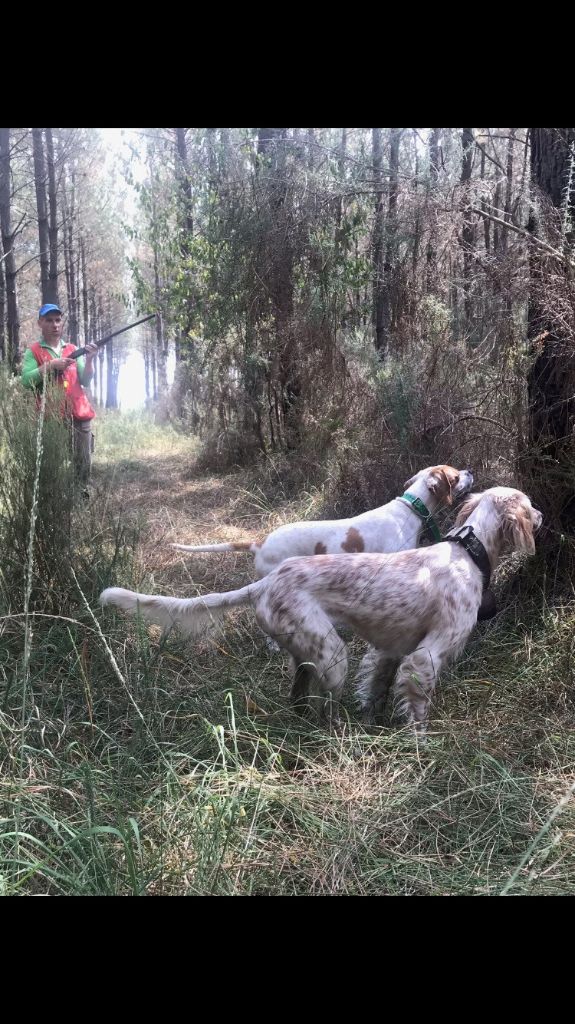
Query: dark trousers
{"x": 82, "y": 448}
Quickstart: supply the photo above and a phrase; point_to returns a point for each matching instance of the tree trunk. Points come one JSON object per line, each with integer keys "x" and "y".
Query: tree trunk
{"x": 42, "y": 211}
{"x": 390, "y": 267}
{"x": 111, "y": 377}
{"x": 70, "y": 261}
{"x": 53, "y": 219}
{"x": 432, "y": 273}
{"x": 377, "y": 247}
{"x": 161, "y": 362}
{"x": 551, "y": 330}
{"x": 12, "y": 322}
{"x": 508, "y": 189}
{"x": 279, "y": 274}
{"x": 184, "y": 177}
{"x": 467, "y": 233}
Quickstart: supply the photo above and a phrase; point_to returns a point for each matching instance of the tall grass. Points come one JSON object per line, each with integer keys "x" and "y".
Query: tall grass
{"x": 150, "y": 766}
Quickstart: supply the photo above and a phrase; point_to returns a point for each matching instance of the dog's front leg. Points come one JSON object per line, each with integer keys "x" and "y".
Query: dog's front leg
{"x": 415, "y": 683}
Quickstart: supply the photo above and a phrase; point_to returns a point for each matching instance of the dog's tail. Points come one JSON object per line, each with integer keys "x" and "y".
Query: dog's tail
{"x": 192, "y": 615}
{"x": 240, "y": 545}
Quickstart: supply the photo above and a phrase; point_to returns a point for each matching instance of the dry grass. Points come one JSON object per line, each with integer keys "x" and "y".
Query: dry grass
{"x": 148, "y": 766}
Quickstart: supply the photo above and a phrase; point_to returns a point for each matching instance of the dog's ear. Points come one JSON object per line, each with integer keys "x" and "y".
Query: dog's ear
{"x": 469, "y": 505}
{"x": 519, "y": 526}
{"x": 441, "y": 482}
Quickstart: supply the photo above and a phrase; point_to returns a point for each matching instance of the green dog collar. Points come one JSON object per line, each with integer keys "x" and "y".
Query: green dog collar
{"x": 424, "y": 514}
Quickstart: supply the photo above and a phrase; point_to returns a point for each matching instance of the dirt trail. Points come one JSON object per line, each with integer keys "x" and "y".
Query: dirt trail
{"x": 173, "y": 503}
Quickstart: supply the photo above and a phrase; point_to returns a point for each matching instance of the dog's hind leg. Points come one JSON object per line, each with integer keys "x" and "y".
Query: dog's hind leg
{"x": 318, "y": 657}
{"x": 318, "y": 680}
{"x": 303, "y": 684}
{"x": 372, "y": 682}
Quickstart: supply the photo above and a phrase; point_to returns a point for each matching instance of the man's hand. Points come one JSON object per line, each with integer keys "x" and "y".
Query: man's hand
{"x": 56, "y": 365}
{"x": 91, "y": 350}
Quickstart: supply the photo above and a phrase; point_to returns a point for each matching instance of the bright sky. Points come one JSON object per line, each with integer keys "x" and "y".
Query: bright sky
{"x": 131, "y": 380}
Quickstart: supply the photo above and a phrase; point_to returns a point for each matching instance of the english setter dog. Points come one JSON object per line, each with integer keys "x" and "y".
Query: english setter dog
{"x": 396, "y": 526}
{"x": 415, "y": 608}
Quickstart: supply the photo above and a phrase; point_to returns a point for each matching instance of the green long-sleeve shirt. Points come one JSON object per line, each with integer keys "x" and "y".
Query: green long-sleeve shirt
{"x": 31, "y": 376}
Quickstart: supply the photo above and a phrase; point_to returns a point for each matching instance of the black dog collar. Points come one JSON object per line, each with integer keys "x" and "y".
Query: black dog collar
{"x": 466, "y": 537}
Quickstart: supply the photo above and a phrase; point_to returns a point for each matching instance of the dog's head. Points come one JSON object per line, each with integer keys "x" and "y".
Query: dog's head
{"x": 516, "y": 519}
{"x": 445, "y": 482}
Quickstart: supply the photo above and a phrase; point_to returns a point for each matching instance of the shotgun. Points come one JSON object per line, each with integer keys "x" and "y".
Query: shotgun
{"x": 104, "y": 341}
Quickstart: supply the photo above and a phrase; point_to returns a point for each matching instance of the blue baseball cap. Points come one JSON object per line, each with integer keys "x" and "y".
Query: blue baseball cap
{"x": 49, "y": 307}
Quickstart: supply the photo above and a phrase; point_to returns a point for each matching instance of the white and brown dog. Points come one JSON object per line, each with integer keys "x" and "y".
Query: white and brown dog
{"x": 415, "y": 608}
{"x": 396, "y": 526}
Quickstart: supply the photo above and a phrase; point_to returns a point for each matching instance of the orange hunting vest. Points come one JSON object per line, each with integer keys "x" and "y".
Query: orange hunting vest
{"x": 75, "y": 402}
